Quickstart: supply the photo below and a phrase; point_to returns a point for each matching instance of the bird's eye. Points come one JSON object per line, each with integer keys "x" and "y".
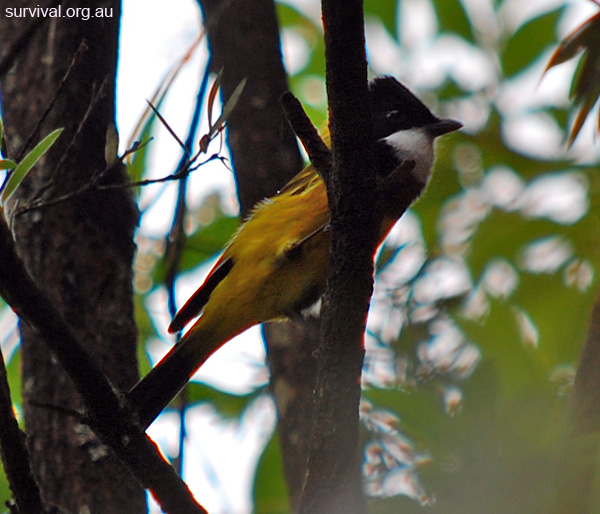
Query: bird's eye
{"x": 398, "y": 117}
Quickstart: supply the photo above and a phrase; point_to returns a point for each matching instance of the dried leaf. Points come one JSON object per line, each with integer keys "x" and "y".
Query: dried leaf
{"x": 576, "y": 41}
{"x": 229, "y": 106}
{"x": 212, "y": 96}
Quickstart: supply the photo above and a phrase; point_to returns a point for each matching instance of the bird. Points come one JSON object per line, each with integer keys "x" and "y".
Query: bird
{"x": 275, "y": 265}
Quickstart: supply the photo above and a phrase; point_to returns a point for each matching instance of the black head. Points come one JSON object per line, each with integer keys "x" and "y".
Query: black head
{"x": 394, "y": 108}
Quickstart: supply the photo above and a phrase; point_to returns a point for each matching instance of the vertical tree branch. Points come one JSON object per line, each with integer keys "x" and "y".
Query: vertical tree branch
{"x": 333, "y": 481}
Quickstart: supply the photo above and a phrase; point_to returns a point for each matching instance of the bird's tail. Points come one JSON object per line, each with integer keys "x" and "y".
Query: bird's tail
{"x": 154, "y": 392}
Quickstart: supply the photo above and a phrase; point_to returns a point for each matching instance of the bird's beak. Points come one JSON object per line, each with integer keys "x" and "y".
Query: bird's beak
{"x": 441, "y": 127}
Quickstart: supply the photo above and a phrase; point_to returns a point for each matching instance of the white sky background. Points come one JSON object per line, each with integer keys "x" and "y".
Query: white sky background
{"x": 219, "y": 456}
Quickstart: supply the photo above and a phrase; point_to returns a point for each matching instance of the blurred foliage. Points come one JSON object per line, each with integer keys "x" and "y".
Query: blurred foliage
{"x": 207, "y": 240}
{"x": 5, "y": 493}
{"x": 467, "y": 407}
{"x": 228, "y": 405}
{"x": 385, "y": 12}
{"x": 270, "y": 491}
{"x": 472, "y": 354}
{"x": 529, "y": 41}
{"x": 453, "y": 19}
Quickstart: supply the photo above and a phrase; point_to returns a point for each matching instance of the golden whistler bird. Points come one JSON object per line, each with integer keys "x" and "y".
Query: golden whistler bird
{"x": 275, "y": 266}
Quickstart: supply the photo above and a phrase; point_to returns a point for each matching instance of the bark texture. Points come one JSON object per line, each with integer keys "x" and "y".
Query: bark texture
{"x": 79, "y": 251}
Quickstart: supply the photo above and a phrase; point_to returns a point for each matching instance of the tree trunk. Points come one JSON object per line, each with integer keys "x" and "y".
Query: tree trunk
{"x": 80, "y": 250}
{"x": 244, "y": 41}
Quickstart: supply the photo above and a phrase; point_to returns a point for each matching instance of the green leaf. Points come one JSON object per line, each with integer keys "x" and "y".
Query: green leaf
{"x": 585, "y": 89}
{"x": 452, "y": 17}
{"x": 146, "y": 331}
{"x": 290, "y": 17}
{"x": 5, "y": 493}
{"x": 7, "y": 164}
{"x": 443, "y": 184}
{"x": 270, "y": 492}
{"x": 212, "y": 95}
{"x": 386, "y": 11}
{"x": 13, "y": 370}
{"x": 138, "y": 162}
{"x": 503, "y": 235}
{"x": 211, "y": 239}
{"x": 449, "y": 90}
{"x": 19, "y": 173}
{"x": 528, "y": 42}
{"x": 515, "y": 366}
{"x": 204, "y": 244}
{"x": 228, "y": 405}
{"x": 111, "y": 148}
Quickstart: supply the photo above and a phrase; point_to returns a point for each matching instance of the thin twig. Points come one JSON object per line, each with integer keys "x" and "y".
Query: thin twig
{"x": 76, "y": 57}
{"x": 71, "y": 413}
{"x": 185, "y": 168}
{"x": 96, "y": 97}
{"x": 175, "y": 244}
{"x": 95, "y": 186}
{"x": 168, "y": 127}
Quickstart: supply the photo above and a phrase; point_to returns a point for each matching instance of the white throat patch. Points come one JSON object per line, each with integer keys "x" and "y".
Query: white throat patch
{"x": 414, "y": 145}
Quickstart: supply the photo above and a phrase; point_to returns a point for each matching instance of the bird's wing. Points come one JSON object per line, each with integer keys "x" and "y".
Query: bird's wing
{"x": 294, "y": 249}
{"x": 306, "y": 180}
{"x": 301, "y": 182}
{"x": 198, "y": 300}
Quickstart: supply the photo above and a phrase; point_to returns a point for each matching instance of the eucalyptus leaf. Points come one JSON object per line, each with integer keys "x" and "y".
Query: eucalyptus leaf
{"x": 528, "y": 42}
{"x": 212, "y": 95}
{"x": 7, "y": 164}
{"x": 28, "y": 162}
{"x": 229, "y": 106}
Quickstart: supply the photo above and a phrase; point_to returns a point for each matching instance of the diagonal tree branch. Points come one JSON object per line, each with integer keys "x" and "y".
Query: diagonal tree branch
{"x": 106, "y": 413}
{"x": 15, "y": 457}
